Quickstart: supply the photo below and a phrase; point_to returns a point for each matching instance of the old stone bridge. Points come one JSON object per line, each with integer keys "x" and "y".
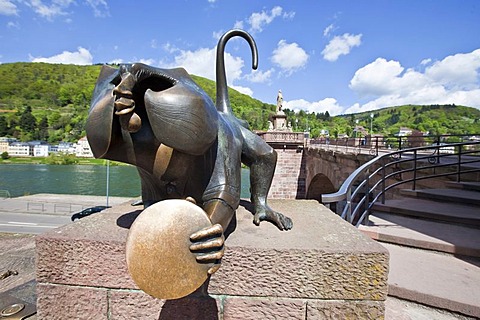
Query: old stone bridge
{"x": 306, "y": 171}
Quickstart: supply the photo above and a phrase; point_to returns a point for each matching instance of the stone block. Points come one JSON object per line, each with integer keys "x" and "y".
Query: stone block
{"x": 68, "y": 302}
{"x": 345, "y": 310}
{"x": 130, "y": 305}
{"x": 250, "y": 308}
{"x": 322, "y": 258}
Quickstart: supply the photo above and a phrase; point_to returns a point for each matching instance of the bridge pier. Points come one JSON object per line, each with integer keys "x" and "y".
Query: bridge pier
{"x": 307, "y": 173}
{"x": 290, "y": 174}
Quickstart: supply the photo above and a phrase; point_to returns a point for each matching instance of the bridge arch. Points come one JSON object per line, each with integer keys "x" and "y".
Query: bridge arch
{"x": 319, "y": 185}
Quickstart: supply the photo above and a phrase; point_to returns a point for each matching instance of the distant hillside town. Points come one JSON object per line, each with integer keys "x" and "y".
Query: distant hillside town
{"x": 15, "y": 148}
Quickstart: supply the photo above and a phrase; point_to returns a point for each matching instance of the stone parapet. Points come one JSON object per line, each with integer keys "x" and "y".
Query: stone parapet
{"x": 323, "y": 268}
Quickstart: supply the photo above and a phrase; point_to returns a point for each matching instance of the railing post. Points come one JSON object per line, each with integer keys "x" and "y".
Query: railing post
{"x": 414, "y": 169}
{"x": 367, "y": 195}
{"x": 349, "y": 205}
{"x": 383, "y": 180}
{"x": 459, "y": 163}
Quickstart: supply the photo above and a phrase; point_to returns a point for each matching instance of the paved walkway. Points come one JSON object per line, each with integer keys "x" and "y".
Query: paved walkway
{"x": 17, "y": 252}
{"x": 61, "y": 204}
{"x": 434, "y": 247}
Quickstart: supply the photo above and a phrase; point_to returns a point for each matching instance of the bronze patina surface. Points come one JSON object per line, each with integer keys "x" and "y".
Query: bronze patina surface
{"x": 183, "y": 144}
{"x": 158, "y": 255}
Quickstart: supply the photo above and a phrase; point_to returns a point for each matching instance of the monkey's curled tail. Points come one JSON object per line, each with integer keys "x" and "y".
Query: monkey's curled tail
{"x": 223, "y": 102}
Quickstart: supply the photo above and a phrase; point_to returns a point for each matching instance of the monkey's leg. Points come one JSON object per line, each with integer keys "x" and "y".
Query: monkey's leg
{"x": 262, "y": 160}
{"x": 222, "y": 195}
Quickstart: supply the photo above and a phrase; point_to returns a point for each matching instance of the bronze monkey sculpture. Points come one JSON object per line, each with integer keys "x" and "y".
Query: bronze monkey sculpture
{"x": 183, "y": 145}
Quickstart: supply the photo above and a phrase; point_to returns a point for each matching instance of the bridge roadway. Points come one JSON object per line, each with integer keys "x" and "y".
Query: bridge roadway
{"x": 39, "y": 213}
{"x": 307, "y": 172}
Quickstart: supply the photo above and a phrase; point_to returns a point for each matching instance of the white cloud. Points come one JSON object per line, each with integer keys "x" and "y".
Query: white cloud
{"x": 100, "y": 8}
{"x": 8, "y": 8}
{"x": 60, "y": 7}
{"x": 328, "y": 104}
{"x": 258, "y": 20}
{"x": 327, "y": 30}
{"x": 56, "y": 8}
{"x": 258, "y": 76}
{"x": 153, "y": 44}
{"x": 455, "y": 79}
{"x": 289, "y": 15}
{"x": 289, "y": 56}
{"x": 201, "y": 62}
{"x": 377, "y": 78}
{"x": 341, "y": 45}
{"x": 460, "y": 71}
{"x": 244, "y": 90}
{"x": 116, "y": 61}
{"x": 425, "y": 61}
{"x": 170, "y": 48}
{"x": 12, "y": 24}
{"x": 238, "y": 25}
{"x": 80, "y": 57}
{"x": 149, "y": 62}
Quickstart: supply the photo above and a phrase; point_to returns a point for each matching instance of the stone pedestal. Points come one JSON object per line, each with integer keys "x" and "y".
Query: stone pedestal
{"x": 322, "y": 269}
{"x": 280, "y": 121}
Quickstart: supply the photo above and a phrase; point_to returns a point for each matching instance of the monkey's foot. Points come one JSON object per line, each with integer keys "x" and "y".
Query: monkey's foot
{"x": 265, "y": 213}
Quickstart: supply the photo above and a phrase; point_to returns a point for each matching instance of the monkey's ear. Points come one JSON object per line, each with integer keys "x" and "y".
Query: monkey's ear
{"x": 106, "y": 72}
{"x": 182, "y": 118}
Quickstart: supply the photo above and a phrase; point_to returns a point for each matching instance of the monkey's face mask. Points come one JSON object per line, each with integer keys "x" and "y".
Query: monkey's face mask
{"x": 139, "y": 102}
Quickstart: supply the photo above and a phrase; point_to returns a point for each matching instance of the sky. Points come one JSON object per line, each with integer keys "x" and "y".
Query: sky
{"x": 337, "y": 56}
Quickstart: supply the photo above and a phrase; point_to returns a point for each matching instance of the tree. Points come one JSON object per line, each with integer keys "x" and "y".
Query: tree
{"x": 4, "y": 155}
{"x": 327, "y": 115}
{"x": 3, "y": 126}
{"x": 28, "y": 123}
{"x": 43, "y": 129}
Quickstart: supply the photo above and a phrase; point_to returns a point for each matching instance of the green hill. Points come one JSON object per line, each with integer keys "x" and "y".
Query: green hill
{"x": 50, "y": 102}
{"x": 435, "y": 119}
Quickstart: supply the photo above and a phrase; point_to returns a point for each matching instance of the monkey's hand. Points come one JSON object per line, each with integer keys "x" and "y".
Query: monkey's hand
{"x": 124, "y": 100}
{"x": 265, "y": 213}
{"x": 129, "y": 77}
{"x": 208, "y": 246}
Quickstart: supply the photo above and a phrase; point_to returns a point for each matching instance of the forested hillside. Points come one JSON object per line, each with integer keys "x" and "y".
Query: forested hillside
{"x": 50, "y": 102}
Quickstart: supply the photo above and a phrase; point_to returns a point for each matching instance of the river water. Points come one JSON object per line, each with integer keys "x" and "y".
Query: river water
{"x": 27, "y": 179}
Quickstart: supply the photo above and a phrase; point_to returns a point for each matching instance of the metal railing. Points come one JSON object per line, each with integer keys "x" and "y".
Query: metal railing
{"x": 376, "y": 144}
{"x": 4, "y": 194}
{"x": 370, "y": 182}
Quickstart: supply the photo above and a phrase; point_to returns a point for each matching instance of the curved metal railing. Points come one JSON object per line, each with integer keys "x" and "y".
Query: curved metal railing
{"x": 4, "y": 194}
{"x": 369, "y": 183}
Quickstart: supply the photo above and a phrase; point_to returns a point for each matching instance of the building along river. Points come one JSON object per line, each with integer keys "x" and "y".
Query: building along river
{"x": 27, "y": 179}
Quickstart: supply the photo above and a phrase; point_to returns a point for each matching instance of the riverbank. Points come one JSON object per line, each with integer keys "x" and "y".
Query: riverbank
{"x": 59, "y": 160}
